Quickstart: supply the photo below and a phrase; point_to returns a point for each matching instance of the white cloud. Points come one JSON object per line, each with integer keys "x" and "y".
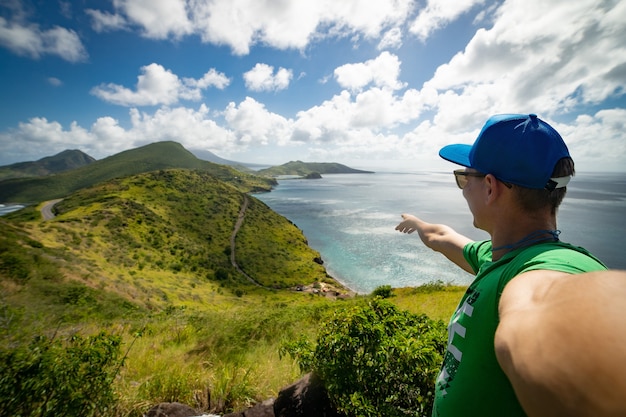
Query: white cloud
{"x": 437, "y": 14}
{"x": 105, "y": 21}
{"x": 262, "y": 78}
{"x": 373, "y": 113}
{"x": 210, "y": 79}
{"x": 38, "y": 138}
{"x": 32, "y": 41}
{"x": 253, "y": 124}
{"x": 55, "y": 81}
{"x": 596, "y": 142}
{"x": 65, "y": 8}
{"x": 156, "y": 86}
{"x": 158, "y": 19}
{"x": 193, "y": 128}
{"x": 240, "y": 24}
{"x": 383, "y": 71}
{"x": 548, "y": 61}
{"x": 392, "y": 39}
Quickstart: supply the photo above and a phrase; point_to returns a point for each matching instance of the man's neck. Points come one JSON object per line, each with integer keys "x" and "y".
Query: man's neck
{"x": 514, "y": 235}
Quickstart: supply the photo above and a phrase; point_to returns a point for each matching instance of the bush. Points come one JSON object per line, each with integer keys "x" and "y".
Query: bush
{"x": 376, "y": 360}
{"x": 50, "y": 378}
{"x": 15, "y": 266}
{"x": 383, "y": 291}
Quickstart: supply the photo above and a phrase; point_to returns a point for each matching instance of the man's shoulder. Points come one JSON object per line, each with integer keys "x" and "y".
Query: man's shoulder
{"x": 555, "y": 256}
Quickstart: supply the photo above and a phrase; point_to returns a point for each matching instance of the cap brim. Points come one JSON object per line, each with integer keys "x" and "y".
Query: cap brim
{"x": 458, "y": 154}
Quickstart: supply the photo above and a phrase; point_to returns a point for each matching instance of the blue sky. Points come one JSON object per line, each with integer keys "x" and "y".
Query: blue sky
{"x": 372, "y": 84}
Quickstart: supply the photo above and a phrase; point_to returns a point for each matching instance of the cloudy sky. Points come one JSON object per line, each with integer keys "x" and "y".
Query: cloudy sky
{"x": 369, "y": 83}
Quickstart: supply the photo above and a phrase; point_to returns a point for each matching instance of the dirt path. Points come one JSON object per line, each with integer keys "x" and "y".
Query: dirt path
{"x": 46, "y": 209}
{"x": 233, "y": 258}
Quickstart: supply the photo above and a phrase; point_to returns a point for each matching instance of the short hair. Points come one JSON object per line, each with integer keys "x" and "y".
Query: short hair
{"x": 533, "y": 200}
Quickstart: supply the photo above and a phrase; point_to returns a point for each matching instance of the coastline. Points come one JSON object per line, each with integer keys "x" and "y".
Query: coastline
{"x": 10, "y": 208}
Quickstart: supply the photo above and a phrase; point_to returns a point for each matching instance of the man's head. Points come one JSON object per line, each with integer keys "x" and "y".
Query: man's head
{"x": 517, "y": 149}
{"x": 521, "y": 150}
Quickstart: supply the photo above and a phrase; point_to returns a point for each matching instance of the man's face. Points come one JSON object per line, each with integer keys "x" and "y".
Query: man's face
{"x": 473, "y": 194}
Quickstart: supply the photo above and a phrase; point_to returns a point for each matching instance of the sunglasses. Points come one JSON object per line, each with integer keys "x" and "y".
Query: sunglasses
{"x": 462, "y": 177}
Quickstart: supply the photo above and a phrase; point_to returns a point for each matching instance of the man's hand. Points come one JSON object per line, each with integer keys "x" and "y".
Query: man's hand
{"x": 438, "y": 237}
{"x": 409, "y": 224}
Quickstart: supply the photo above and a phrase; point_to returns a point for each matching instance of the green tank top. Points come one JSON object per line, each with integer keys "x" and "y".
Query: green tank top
{"x": 471, "y": 382}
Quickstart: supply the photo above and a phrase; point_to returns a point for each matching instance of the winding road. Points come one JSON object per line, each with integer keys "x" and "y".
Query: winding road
{"x": 46, "y": 209}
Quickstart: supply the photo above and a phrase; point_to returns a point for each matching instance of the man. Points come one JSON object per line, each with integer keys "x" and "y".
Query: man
{"x": 539, "y": 332}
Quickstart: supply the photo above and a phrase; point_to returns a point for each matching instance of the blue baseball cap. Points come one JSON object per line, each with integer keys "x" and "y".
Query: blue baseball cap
{"x": 519, "y": 149}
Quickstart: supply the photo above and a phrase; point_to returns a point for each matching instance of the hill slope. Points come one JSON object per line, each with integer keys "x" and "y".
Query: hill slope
{"x": 63, "y": 161}
{"x": 163, "y": 238}
{"x": 156, "y": 156}
{"x": 305, "y": 168}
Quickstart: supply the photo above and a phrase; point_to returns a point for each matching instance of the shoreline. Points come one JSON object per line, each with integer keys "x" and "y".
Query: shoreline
{"x": 6, "y": 208}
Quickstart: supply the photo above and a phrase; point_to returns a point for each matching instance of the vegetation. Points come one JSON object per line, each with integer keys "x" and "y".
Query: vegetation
{"x": 306, "y": 168}
{"x": 49, "y": 378}
{"x": 141, "y": 266}
{"x": 376, "y": 360}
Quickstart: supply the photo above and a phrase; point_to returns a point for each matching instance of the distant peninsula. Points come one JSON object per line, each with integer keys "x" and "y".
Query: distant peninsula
{"x": 309, "y": 169}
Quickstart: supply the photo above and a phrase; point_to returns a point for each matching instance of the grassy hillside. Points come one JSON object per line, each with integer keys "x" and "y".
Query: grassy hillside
{"x": 305, "y": 168}
{"x": 171, "y": 229}
{"x": 156, "y": 156}
{"x": 147, "y": 258}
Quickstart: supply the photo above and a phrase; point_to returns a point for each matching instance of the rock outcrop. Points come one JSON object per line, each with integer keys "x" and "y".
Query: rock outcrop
{"x": 171, "y": 410}
{"x": 304, "y": 398}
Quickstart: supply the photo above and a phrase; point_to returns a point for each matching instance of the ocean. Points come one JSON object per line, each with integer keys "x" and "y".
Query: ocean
{"x": 351, "y": 218}
{"x": 9, "y": 208}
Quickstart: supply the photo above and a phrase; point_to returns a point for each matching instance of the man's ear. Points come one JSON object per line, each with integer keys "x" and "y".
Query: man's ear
{"x": 492, "y": 188}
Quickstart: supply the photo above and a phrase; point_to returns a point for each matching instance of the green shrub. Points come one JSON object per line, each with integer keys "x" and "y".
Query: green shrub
{"x": 432, "y": 286}
{"x": 15, "y": 265}
{"x": 376, "y": 360}
{"x": 383, "y": 291}
{"x": 54, "y": 378}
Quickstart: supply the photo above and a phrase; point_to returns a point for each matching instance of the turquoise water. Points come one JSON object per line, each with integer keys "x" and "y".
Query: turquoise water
{"x": 9, "y": 208}
{"x": 350, "y": 220}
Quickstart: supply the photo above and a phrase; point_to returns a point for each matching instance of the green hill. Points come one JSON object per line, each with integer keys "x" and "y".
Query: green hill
{"x": 64, "y": 161}
{"x": 156, "y": 156}
{"x": 305, "y": 168}
{"x": 172, "y": 229}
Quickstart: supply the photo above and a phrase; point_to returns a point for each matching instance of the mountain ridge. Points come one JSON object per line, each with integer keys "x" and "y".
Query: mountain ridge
{"x": 63, "y": 161}
{"x": 151, "y": 157}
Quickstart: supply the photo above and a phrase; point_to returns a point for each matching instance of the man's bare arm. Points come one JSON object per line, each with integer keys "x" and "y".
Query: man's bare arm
{"x": 562, "y": 342}
{"x": 438, "y": 237}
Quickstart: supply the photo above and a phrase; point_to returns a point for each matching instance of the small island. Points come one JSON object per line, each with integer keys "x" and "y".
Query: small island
{"x": 309, "y": 170}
